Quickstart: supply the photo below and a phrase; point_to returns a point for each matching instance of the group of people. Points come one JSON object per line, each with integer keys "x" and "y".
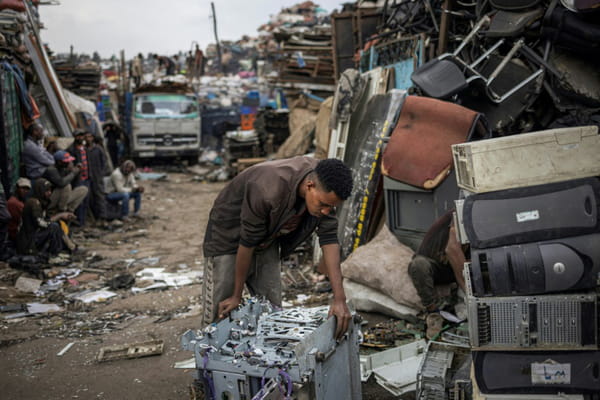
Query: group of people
{"x": 193, "y": 65}
{"x": 59, "y": 189}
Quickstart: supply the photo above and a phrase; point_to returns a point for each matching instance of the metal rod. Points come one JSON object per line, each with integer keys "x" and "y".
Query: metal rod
{"x": 214, "y": 15}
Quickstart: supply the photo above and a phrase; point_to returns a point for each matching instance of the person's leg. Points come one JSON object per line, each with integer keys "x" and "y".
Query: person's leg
{"x": 421, "y": 271}
{"x": 137, "y": 201}
{"x": 123, "y": 198}
{"x": 49, "y": 240}
{"x": 217, "y": 285}
{"x": 81, "y": 211}
{"x": 76, "y": 197}
{"x": 97, "y": 201}
{"x": 59, "y": 200}
{"x": 264, "y": 277}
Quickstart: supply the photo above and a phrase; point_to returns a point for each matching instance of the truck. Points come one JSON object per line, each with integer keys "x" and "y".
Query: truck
{"x": 165, "y": 123}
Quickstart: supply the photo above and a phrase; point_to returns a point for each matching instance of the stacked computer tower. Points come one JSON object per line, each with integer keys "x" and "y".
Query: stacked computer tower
{"x": 531, "y": 213}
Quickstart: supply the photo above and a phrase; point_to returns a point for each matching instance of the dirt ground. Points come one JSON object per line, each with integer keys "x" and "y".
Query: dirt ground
{"x": 171, "y": 227}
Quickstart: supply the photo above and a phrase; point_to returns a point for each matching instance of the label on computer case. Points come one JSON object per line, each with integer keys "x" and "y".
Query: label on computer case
{"x": 528, "y": 216}
{"x": 550, "y": 373}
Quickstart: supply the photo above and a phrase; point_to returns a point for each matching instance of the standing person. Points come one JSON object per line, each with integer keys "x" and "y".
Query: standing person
{"x": 439, "y": 260}
{"x": 124, "y": 188}
{"x": 97, "y": 170}
{"x": 263, "y": 214}
{"x": 167, "y": 63}
{"x": 189, "y": 65}
{"x": 35, "y": 157}
{"x": 198, "y": 62}
{"x": 77, "y": 150}
{"x": 137, "y": 70}
{"x": 38, "y": 233}
{"x": 15, "y": 205}
{"x": 112, "y": 133}
{"x": 63, "y": 176}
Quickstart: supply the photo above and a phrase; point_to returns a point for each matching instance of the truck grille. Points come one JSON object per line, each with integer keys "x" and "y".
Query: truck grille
{"x": 166, "y": 140}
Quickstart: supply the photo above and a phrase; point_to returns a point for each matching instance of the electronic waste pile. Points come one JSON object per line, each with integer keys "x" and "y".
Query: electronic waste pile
{"x": 263, "y": 353}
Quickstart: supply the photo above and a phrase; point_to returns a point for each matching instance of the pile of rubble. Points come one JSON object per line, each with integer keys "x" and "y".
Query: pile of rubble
{"x": 82, "y": 79}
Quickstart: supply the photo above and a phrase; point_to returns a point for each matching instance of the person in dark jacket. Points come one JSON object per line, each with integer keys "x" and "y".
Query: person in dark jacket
{"x": 38, "y": 233}
{"x": 62, "y": 175}
{"x": 265, "y": 212}
{"x": 97, "y": 170}
{"x": 78, "y": 150}
{"x": 112, "y": 133}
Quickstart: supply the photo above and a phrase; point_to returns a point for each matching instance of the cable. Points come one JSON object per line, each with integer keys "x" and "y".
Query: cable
{"x": 208, "y": 382}
{"x": 288, "y": 379}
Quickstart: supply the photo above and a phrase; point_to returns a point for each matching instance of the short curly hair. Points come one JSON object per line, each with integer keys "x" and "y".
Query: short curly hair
{"x": 335, "y": 176}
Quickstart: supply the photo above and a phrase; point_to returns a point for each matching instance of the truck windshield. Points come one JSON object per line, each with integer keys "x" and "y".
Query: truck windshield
{"x": 166, "y": 106}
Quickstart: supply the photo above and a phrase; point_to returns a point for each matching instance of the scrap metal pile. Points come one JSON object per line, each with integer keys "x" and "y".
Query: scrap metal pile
{"x": 258, "y": 352}
{"x": 82, "y": 79}
{"x": 304, "y": 54}
{"x": 525, "y": 64}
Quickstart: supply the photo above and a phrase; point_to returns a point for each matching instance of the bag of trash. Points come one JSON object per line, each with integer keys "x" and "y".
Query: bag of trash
{"x": 382, "y": 264}
{"x": 370, "y": 300}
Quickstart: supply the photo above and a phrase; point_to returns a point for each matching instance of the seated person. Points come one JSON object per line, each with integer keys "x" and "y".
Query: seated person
{"x": 4, "y": 221}
{"x": 439, "y": 260}
{"x": 62, "y": 175}
{"x": 123, "y": 187}
{"x": 15, "y": 205}
{"x": 35, "y": 157}
{"x": 38, "y": 233}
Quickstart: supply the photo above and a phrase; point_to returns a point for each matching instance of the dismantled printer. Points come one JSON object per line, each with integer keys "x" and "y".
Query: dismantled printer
{"x": 263, "y": 353}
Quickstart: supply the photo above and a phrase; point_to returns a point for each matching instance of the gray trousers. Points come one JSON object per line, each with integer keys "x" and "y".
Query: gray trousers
{"x": 264, "y": 279}
{"x": 66, "y": 199}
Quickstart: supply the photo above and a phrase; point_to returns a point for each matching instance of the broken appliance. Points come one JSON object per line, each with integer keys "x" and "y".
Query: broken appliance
{"x": 262, "y": 353}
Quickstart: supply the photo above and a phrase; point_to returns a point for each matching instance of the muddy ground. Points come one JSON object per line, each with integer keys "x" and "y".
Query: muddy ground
{"x": 171, "y": 227}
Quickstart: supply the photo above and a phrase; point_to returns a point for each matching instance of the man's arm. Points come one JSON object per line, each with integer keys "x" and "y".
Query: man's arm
{"x": 118, "y": 181}
{"x": 242, "y": 265}
{"x": 456, "y": 257}
{"x": 339, "y": 308}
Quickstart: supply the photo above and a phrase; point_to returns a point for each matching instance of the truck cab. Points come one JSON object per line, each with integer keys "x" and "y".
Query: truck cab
{"x": 165, "y": 125}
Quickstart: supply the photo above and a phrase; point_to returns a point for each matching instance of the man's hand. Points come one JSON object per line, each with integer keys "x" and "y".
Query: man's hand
{"x": 139, "y": 189}
{"x": 340, "y": 310}
{"x": 227, "y": 305}
{"x": 65, "y": 216}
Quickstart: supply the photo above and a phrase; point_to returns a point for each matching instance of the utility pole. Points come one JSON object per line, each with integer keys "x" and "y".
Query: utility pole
{"x": 214, "y": 15}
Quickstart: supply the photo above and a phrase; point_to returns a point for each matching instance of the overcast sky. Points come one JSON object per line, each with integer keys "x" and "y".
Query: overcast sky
{"x": 157, "y": 26}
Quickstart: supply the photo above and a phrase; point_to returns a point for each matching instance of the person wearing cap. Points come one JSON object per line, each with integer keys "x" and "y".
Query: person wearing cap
{"x": 62, "y": 175}
{"x": 35, "y": 157}
{"x": 40, "y": 234}
{"x": 78, "y": 150}
{"x": 15, "y": 205}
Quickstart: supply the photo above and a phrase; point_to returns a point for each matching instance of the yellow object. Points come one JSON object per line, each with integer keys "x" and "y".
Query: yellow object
{"x": 64, "y": 227}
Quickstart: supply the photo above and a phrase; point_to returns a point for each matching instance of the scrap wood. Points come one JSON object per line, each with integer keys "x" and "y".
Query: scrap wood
{"x": 129, "y": 351}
